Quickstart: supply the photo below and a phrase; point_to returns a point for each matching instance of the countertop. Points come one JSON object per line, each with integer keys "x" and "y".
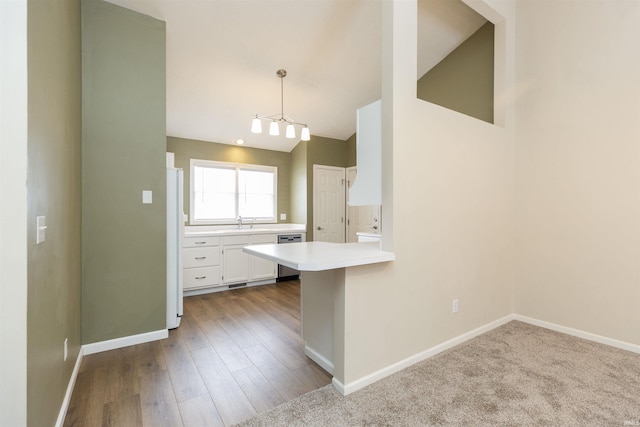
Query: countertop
{"x": 319, "y": 256}
{"x": 201, "y": 231}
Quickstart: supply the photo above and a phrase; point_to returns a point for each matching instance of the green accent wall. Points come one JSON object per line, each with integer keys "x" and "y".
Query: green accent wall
{"x": 463, "y": 81}
{"x": 317, "y": 151}
{"x": 123, "y": 153}
{"x": 299, "y": 184}
{"x": 187, "y": 149}
{"x": 351, "y": 159}
{"x": 53, "y": 190}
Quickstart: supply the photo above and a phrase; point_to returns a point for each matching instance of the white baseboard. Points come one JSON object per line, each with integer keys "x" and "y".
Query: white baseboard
{"x": 325, "y": 363}
{"x": 67, "y": 396}
{"x": 99, "y": 346}
{"x": 338, "y": 386}
{"x": 349, "y": 388}
{"x": 578, "y": 333}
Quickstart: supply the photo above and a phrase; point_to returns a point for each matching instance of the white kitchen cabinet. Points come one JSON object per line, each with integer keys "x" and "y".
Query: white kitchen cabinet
{"x": 367, "y": 188}
{"x": 214, "y": 261}
{"x": 201, "y": 262}
{"x": 235, "y": 263}
{"x": 238, "y": 267}
{"x": 260, "y": 268}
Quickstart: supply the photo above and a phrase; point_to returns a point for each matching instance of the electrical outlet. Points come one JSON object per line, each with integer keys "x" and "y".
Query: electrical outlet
{"x": 66, "y": 349}
{"x": 454, "y": 307}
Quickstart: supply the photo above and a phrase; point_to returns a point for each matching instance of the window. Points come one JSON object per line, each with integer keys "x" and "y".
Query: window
{"x": 221, "y": 192}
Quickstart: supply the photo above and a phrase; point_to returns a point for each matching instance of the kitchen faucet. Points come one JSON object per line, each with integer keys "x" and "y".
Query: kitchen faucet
{"x": 239, "y": 223}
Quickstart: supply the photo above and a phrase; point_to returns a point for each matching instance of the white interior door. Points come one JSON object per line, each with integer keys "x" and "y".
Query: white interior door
{"x": 360, "y": 219}
{"x": 328, "y": 204}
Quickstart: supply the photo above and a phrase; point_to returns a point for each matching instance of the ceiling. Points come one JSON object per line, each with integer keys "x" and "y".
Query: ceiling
{"x": 222, "y": 58}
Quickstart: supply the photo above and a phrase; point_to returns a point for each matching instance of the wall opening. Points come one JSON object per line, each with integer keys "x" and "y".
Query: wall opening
{"x": 456, "y": 58}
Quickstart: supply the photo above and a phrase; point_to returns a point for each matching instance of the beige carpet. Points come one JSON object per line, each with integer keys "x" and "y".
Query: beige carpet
{"x": 516, "y": 375}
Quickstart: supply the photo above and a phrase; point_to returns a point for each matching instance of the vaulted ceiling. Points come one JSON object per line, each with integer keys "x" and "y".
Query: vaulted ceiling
{"x": 222, "y": 58}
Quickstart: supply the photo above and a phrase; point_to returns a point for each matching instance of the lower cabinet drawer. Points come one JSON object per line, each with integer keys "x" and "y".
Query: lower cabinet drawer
{"x": 201, "y": 277}
{"x": 200, "y": 257}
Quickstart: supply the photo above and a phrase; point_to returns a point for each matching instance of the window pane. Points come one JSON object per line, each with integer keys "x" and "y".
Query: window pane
{"x": 223, "y": 191}
{"x": 214, "y": 192}
{"x": 256, "y": 193}
{"x": 256, "y": 206}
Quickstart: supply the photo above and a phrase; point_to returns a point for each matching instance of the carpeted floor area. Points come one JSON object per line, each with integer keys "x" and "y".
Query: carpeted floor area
{"x": 517, "y": 374}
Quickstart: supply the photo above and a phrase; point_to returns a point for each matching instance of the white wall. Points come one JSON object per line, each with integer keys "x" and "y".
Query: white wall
{"x": 13, "y": 212}
{"x": 450, "y": 201}
{"x": 578, "y": 165}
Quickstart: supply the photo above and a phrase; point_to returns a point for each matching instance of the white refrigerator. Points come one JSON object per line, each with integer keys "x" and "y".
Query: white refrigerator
{"x": 175, "y": 232}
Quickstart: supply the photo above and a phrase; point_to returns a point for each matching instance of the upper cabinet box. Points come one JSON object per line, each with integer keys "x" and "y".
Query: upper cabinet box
{"x": 367, "y": 188}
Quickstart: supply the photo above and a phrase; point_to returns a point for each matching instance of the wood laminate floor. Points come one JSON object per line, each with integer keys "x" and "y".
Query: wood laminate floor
{"x": 236, "y": 353}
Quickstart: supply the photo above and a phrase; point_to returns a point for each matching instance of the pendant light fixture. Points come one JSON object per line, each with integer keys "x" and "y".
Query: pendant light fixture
{"x": 276, "y": 119}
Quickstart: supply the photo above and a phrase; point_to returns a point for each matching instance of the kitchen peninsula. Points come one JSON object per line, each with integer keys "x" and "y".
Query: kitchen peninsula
{"x": 325, "y": 312}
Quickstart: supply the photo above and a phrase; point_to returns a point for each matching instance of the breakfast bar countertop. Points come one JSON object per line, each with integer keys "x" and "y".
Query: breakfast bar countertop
{"x": 320, "y": 256}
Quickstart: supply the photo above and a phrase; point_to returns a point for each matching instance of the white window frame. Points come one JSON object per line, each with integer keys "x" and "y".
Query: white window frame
{"x": 237, "y": 166}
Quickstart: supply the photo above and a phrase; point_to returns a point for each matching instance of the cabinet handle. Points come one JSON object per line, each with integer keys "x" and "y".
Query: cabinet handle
{"x": 201, "y": 277}
{"x": 320, "y": 228}
{"x": 200, "y": 257}
{"x": 200, "y": 243}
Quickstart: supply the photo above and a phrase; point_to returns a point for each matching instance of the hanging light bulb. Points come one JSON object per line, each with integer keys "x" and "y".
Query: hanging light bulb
{"x": 274, "y": 130}
{"x": 256, "y": 125}
{"x": 305, "y": 136}
{"x": 291, "y": 131}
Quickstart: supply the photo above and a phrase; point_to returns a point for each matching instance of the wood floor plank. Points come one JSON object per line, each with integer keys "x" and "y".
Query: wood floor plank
{"x": 200, "y": 411}
{"x": 258, "y": 389}
{"x": 185, "y": 377}
{"x": 158, "y": 402}
{"x": 288, "y": 385}
{"x": 87, "y": 402}
{"x": 149, "y": 359}
{"x": 231, "y": 402}
{"x": 123, "y": 412}
{"x": 238, "y": 332}
{"x": 191, "y": 333}
{"x": 225, "y": 346}
{"x": 122, "y": 377}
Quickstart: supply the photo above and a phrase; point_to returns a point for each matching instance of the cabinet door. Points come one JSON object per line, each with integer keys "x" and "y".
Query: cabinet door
{"x": 236, "y": 265}
{"x": 262, "y": 268}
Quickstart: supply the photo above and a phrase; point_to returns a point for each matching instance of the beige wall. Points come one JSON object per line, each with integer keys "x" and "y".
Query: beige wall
{"x": 463, "y": 81}
{"x": 578, "y": 167}
{"x": 448, "y": 190}
{"x": 187, "y": 149}
{"x": 123, "y": 153}
{"x": 54, "y": 190}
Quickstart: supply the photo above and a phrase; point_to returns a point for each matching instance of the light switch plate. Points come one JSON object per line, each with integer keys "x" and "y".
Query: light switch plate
{"x": 147, "y": 197}
{"x": 41, "y": 227}
{"x": 283, "y": 217}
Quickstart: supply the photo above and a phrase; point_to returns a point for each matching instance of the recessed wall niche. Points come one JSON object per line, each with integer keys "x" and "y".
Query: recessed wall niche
{"x": 456, "y": 58}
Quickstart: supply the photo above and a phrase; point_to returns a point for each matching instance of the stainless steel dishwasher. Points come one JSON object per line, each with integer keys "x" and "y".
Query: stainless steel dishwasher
{"x": 284, "y": 272}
